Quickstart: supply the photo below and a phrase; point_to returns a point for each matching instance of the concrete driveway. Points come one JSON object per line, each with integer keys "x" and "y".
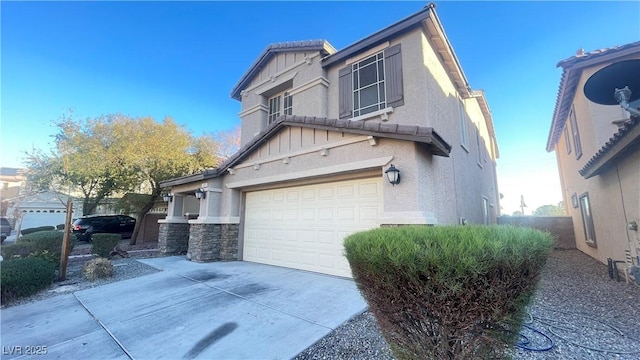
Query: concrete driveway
{"x": 231, "y": 310}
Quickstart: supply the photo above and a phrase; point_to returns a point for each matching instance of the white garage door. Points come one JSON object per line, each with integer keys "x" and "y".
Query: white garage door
{"x": 303, "y": 227}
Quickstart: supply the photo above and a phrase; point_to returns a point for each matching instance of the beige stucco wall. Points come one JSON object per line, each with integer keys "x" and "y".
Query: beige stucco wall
{"x": 434, "y": 189}
{"x": 614, "y": 195}
{"x": 300, "y": 73}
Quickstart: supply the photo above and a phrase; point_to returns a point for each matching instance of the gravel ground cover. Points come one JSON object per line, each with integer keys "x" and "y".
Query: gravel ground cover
{"x": 123, "y": 269}
{"x": 578, "y": 311}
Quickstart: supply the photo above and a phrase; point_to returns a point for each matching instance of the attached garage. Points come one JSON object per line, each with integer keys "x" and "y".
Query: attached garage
{"x": 304, "y": 227}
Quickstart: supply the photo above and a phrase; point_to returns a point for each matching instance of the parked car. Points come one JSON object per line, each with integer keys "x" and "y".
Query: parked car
{"x": 86, "y": 226}
{"x": 5, "y": 228}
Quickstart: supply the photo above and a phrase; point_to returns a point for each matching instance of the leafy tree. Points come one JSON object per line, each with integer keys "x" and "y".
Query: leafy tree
{"x": 155, "y": 152}
{"x": 550, "y": 210}
{"x": 83, "y": 158}
{"x": 116, "y": 154}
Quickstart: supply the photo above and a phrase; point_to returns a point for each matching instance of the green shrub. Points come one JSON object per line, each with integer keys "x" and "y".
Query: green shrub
{"x": 99, "y": 268}
{"x": 449, "y": 292}
{"x": 24, "y": 277}
{"x": 36, "y": 229}
{"x": 60, "y": 227}
{"x": 103, "y": 243}
{"x": 47, "y": 244}
{"x": 18, "y": 250}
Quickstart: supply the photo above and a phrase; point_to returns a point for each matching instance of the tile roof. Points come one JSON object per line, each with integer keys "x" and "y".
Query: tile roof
{"x": 291, "y": 46}
{"x": 627, "y": 136}
{"x": 572, "y": 70}
{"x": 420, "y": 134}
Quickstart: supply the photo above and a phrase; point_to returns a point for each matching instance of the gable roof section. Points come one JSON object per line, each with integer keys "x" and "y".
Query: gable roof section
{"x": 269, "y": 52}
{"x": 424, "y": 135}
{"x": 626, "y": 139}
{"x": 572, "y": 70}
{"x": 426, "y": 17}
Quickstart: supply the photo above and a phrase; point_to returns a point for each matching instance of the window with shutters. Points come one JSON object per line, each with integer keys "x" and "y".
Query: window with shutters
{"x": 371, "y": 84}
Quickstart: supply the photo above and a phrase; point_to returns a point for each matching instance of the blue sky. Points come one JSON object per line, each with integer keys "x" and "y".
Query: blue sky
{"x": 181, "y": 59}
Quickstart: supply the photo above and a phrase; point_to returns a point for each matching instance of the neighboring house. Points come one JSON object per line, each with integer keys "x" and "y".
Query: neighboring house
{"x": 320, "y": 128}
{"x": 598, "y": 153}
{"x": 42, "y": 208}
{"x": 13, "y": 182}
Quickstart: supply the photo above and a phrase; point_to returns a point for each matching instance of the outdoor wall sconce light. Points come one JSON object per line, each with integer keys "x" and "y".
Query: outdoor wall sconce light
{"x": 167, "y": 197}
{"x": 200, "y": 194}
{"x": 393, "y": 175}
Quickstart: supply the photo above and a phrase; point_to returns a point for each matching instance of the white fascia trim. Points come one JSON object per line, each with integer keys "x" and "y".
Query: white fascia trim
{"x": 216, "y": 220}
{"x": 366, "y": 54}
{"x": 172, "y": 220}
{"x": 277, "y": 80}
{"x": 383, "y": 113}
{"x": 329, "y": 170}
{"x": 408, "y": 218}
{"x": 254, "y": 108}
{"x": 303, "y": 152}
{"x": 320, "y": 80}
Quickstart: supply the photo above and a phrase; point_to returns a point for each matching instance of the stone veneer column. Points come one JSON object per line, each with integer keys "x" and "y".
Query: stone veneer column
{"x": 213, "y": 242}
{"x": 173, "y": 238}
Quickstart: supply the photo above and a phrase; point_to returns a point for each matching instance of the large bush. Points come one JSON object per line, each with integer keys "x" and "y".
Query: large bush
{"x": 46, "y": 244}
{"x": 450, "y": 292}
{"x": 103, "y": 243}
{"x": 24, "y": 277}
{"x": 18, "y": 250}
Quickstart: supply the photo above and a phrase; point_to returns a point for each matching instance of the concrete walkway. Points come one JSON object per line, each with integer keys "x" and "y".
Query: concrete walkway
{"x": 231, "y": 310}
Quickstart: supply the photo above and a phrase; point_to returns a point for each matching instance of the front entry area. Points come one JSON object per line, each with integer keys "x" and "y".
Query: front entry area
{"x": 303, "y": 227}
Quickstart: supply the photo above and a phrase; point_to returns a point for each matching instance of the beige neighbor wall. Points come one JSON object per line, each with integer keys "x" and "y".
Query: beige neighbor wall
{"x": 607, "y": 192}
{"x": 301, "y": 74}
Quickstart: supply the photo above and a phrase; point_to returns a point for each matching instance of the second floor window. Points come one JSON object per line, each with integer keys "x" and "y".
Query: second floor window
{"x": 281, "y": 104}
{"x": 576, "y": 135}
{"x": 368, "y": 85}
{"x": 372, "y": 83}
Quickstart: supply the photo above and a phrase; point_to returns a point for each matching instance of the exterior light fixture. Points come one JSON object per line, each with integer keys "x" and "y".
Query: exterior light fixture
{"x": 167, "y": 197}
{"x": 200, "y": 194}
{"x": 393, "y": 175}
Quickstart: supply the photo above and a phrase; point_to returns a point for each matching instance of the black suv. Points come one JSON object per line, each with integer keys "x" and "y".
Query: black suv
{"x": 5, "y": 228}
{"x": 86, "y": 226}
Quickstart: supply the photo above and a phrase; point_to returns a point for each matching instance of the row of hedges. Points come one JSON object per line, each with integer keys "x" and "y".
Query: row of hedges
{"x": 448, "y": 292}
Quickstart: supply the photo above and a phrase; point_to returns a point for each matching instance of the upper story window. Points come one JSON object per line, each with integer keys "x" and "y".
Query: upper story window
{"x": 371, "y": 84}
{"x": 464, "y": 141}
{"x": 281, "y": 104}
{"x": 567, "y": 139}
{"x": 576, "y": 135}
{"x": 368, "y": 85}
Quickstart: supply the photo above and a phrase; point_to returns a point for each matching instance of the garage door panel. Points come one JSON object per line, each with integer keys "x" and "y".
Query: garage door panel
{"x": 304, "y": 227}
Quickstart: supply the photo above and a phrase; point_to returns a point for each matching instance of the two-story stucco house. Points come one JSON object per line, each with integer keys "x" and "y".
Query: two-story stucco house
{"x": 598, "y": 153}
{"x": 321, "y": 128}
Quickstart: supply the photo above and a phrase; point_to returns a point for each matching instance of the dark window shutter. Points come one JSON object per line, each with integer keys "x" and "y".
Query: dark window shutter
{"x": 346, "y": 92}
{"x": 393, "y": 72}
